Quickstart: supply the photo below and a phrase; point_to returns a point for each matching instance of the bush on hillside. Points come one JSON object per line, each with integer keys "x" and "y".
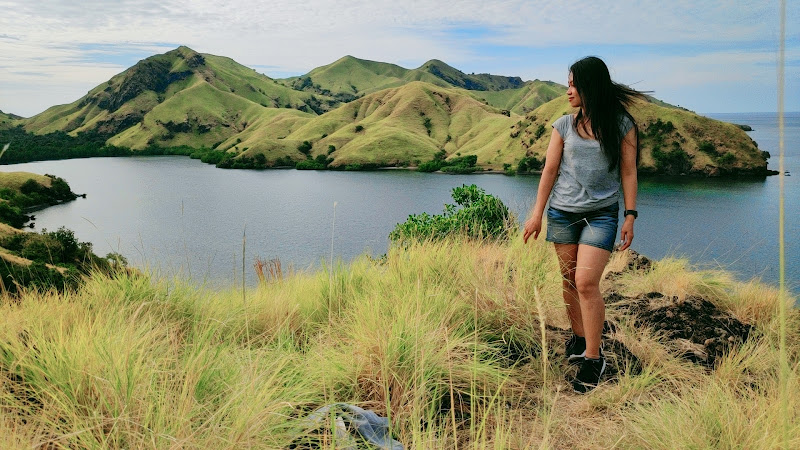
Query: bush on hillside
{"x": 480, "y": 216}
{"x": 46, "y": 251}
{"x": 14, "y": 202}
{"x": 530, "y": 164}
{"x": 461, "y": 164}
{"x": 672, "y": 162}
{"x": 708, "y": 148}
{"x": 305, "y": 148}
{"x": 11, "y": 215}
{"x": 539, "y": 131}
{"x": 321, "y": 162}
{"x": 284, "y": 161}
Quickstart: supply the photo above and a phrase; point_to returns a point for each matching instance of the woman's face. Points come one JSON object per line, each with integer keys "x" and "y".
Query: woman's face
{"x": 572, "y": 94}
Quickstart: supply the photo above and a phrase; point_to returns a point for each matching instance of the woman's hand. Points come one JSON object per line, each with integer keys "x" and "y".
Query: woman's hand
{"x": 533, "y": 226}
{"x": 626, "y": 236}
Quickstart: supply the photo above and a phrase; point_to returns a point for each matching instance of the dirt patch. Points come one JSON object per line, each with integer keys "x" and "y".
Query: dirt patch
{"x": 696, "y": 329}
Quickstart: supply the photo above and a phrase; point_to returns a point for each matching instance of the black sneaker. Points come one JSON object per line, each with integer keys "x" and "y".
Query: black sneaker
{"x": 589, "y": 374}
{"x": 575, "y": 349}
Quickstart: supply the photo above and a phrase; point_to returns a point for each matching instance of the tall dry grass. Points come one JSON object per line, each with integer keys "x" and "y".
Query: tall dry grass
{"x": 456, "y": 342}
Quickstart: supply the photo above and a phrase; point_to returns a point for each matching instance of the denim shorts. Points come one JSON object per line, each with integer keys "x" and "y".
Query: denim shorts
{"x": 597, "y": 228}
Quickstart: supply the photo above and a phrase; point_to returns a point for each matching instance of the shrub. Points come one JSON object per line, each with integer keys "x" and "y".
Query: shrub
{"x": 214, "y": 157}
{"x": 659, "y": 127}
{"x": 672, "y": 162}
{"x": 309, "y": 165}
{"x": 430, "y": 166}
{"x": 359, "y": 128}
{"x": 284, "y": 161}
{"x": 462, "y": 164}
{"x": 321, "y": 162}
{"x": 323, "y": 159}
{"x": 428, "y": 125}
{"x": 539, "y": 131}
{"x": 260, "y": 160}
{"x": 727, "y": 159}
{"x": 12, "y": 215}
{"x": 305, "y": 148}
{"x": 458, "y": 169}
{"x": 529, "y": 164}
{"x": 708, "y": 148}
{"x": 480, "y": 216}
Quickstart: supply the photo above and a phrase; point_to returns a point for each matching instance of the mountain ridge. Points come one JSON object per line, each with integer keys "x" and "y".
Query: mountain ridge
{"x": 361, "y": 112}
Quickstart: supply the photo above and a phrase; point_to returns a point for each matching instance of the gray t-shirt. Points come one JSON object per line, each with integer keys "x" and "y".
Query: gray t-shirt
{"x": 584, "y": 182}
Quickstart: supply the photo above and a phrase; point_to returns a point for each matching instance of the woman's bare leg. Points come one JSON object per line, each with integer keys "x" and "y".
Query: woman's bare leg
{"x": 588, "y": 270}
{"x": 567, "y": 259}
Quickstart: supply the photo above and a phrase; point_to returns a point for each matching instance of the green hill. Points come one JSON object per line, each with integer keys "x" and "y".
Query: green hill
{"x": 523, "y": 99}
{"x": 349, "y": 78}
{"x": 399, "y": 126}
{"x": 179, "y": 92}
{"x": 673, "y": 141}
{"x": 356, "y": 113}
{"x": 473, "y": 82}
{"x": 8, "y": 120}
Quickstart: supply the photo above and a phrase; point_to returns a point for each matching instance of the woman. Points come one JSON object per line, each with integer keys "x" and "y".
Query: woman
{"x": 592, "y": 154}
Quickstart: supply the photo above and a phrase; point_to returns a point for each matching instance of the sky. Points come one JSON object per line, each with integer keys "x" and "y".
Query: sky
{"x": 707, "y": 56}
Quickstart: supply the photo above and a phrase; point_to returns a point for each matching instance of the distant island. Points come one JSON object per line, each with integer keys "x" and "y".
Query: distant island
{"x": 352, "y": 114}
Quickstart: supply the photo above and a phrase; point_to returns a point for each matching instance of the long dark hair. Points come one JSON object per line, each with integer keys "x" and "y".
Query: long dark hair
{"x": 605, "y": 103}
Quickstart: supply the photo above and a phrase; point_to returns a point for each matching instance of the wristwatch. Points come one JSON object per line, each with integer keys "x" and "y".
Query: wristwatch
{"x": 631, "y": 212}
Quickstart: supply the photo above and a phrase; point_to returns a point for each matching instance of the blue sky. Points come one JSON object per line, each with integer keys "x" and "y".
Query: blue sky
{"x": 708, "y": 56}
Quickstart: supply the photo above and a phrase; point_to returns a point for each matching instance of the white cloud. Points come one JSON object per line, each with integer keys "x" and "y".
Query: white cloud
{"x": 59, "y": 38}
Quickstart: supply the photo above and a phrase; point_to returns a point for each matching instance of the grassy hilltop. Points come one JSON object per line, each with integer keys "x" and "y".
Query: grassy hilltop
{"x": 357, "y": 113}
{"x": 673, "y": 140}
{"x": 459, "y": 343}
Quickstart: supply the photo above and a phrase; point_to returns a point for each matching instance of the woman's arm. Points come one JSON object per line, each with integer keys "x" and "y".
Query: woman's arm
{"x": 533, "y": 226}
{"x": 629, "y": 185}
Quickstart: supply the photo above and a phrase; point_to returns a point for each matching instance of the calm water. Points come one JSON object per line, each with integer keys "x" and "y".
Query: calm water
{"x": 179, "y": 216}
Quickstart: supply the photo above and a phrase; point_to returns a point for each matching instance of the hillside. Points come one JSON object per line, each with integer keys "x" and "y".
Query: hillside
{"x": 179, "y": 92}
{"x": 21, "y": 192}
{"x": 349, "y": 78}
{"x": 473, "y": 82}
{"x": 459, "y": 343}
{"x": 8, "y": 120}
{"x": 399, "y": 126}
{"x": 673, "y": 141}
{"x": 409, "y": 124}
{"x": 352, "y": 112}
{"x": 46, "y": 260}
{"x": 523, "y": 99}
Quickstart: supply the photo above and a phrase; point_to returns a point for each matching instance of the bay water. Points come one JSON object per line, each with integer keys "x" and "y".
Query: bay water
{"x": 179, "y": 217}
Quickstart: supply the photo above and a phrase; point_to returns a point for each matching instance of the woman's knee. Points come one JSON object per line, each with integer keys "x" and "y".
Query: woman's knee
{"x": 587, "y": 286}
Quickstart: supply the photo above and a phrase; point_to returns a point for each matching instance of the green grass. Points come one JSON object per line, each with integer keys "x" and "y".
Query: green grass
{"x": 13, "y": 180}
{"x": 524, "y": 99}
{"x": 422, "y": 337}
{"x": 347, "y": 73}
